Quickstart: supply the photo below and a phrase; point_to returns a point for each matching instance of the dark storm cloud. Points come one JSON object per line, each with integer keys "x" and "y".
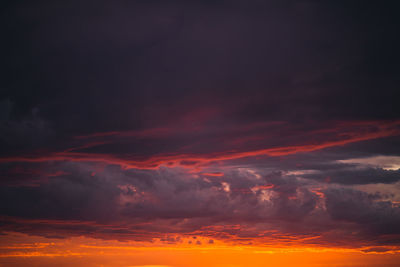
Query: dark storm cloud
{"x": 136, "y": 119}
{"x": 371, "y": 212}
{"x": 200, "y": 66}
{"x": 73, "y": 196}
{"x": 294, "y": 60}
{"x": 142, "y": 205}
{"x": 123, "y": 197}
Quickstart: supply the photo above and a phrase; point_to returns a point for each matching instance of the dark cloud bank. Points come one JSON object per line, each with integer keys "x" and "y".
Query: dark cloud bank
{"x": 135, "y": 120}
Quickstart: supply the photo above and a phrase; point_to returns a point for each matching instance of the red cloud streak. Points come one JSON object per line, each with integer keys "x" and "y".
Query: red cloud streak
{"x": 343, "y": 136}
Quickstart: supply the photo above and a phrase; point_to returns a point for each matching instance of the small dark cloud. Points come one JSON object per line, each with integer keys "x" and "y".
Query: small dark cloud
{"x": 376, "y": 250}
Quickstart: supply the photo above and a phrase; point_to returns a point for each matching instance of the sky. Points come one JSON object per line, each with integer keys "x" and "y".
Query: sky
{"x": 199, "y": 133}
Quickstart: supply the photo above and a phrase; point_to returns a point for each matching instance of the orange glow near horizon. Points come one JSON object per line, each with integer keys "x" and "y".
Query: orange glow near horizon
{"x": 23, "y": 250}
{"x": 200, "y": 247}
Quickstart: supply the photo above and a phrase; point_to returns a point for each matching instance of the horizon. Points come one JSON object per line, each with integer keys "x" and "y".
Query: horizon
{"x": 199, "y": 133}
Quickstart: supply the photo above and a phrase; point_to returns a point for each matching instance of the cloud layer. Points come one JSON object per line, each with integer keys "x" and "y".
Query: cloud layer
{"x": 270, "y": 121}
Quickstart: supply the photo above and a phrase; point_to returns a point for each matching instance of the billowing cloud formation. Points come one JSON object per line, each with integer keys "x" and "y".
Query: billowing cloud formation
{"x": 269, "y": 121}
{"x": 243, "y": 205}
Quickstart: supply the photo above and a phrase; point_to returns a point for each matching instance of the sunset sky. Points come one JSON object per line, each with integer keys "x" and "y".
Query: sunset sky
{"x": 199, "y": 133}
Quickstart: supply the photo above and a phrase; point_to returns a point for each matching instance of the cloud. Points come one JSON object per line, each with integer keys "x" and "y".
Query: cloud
{"x": 370, "y": 212}
{"x": 353, "y": 176}
{"x": 343, "y": 134}
{"x": 377, "y": 250}
{"x": 388, "y": 163}
{"x": 144, "y": 205}
{"x": 20, "y": 132}
{"x": 258, "y": 122}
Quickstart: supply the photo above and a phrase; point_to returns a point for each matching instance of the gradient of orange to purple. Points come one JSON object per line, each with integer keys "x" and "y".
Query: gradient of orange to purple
{"x": 199, "y": 133}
